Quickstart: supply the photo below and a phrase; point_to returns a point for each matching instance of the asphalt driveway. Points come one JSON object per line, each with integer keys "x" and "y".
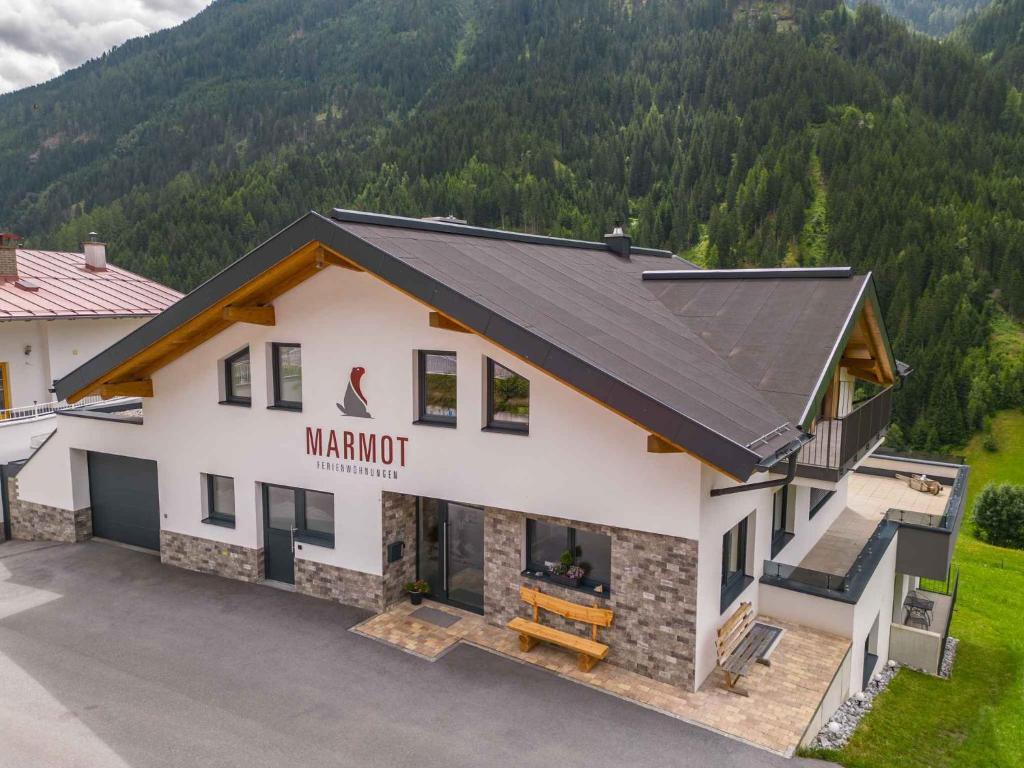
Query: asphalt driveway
{"x": 108, "y": 658}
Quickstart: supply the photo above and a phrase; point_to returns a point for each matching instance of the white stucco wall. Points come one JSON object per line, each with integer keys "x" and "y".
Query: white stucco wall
{"x": 809, "y": 530}
{"x": 29, "y": 373}
{"x": 73, "y": 342}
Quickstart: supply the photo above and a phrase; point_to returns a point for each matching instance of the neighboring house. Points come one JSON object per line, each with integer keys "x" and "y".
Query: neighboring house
{"x": 367, "y": 399}
{"x": 57, "y": 310}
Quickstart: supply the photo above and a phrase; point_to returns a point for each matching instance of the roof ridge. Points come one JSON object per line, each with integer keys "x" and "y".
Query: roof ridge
{"x": 764, "y": 273}
{"x": 452, "y": 228}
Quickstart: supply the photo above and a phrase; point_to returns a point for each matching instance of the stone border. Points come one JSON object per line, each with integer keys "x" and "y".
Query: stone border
{"x": 194, "y": 553}
{"x": 39, "y": 522}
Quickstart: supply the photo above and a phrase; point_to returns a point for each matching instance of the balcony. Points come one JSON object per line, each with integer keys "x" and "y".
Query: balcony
{"x": 840, "y": 565}
{"x": 840, "y": 443}
{"x": 918, "y": 637}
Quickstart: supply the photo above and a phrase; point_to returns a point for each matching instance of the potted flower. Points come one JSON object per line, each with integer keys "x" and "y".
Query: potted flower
{"x": 565, "y": 571}
{"x": 417, "y": 589}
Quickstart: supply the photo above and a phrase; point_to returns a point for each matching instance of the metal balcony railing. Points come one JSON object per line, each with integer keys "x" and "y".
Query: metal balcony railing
{"x": 37, "y": 410}
{"x": 847, "y": 587}
{"x": 839, "y": 443}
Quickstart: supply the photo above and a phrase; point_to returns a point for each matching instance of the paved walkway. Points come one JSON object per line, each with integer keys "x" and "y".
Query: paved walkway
{"x": 781, "y": 702}
{"x": 109, "y": 659}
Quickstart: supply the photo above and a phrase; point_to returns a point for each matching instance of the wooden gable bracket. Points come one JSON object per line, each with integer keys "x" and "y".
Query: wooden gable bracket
{"x": 257, "y": 315}
{"x": 138, "y": 388}
{"x": 657, "y": 444}
{"x": 437, "y": 320}
{"x": 323, "y": 256}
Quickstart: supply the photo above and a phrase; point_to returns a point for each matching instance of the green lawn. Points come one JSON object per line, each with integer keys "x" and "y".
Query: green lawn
{"x": 976, "y": 718}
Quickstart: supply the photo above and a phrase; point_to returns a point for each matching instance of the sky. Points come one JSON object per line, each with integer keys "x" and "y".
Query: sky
{"x": 40, "y": 39}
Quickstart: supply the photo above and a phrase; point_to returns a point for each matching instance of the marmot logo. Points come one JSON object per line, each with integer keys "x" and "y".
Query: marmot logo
{"x": 355, "y": 401}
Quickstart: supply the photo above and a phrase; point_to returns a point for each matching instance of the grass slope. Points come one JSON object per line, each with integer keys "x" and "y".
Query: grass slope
{"x": 976, "y": 718}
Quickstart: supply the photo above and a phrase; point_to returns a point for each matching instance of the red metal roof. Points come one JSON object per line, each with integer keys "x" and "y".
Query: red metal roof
{"x": 66, "y": 288}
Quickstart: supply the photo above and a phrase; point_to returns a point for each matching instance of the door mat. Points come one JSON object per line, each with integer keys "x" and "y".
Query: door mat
{"x": 434, "y": 616}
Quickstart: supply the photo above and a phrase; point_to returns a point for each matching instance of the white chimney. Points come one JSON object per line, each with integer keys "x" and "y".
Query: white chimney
{"x": 95, "y": 254}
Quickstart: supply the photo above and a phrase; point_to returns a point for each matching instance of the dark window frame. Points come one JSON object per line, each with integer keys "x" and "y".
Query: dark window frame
{"x": 422, "y": 417}
{"x": 500, "y": 425}
{"x": 279, "y": 403}
{"x": 733, "y": 583}
{"x": 302, "y": 533}
{"x": 230, "y": 398}
{"x": 815, "y": 508}
{"x": 570, "y": 539}
{"x": 781, "y": 536}
{"x": 213, "y": 515}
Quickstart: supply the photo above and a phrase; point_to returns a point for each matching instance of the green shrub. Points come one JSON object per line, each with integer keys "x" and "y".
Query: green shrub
{"x": 989, "y": 443}
{"x": 999, "y": 514}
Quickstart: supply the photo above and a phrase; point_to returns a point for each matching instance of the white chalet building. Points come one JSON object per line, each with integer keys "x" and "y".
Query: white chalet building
{"x": 364, "y": 400}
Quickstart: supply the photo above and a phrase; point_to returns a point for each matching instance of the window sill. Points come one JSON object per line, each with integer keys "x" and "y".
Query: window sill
{"x": 779, "y": 542}
{"x": 432, "y": 423}
{"x": 236, "y": 403}
{"x": 222, "y": 522}
{"x": 506, "y": 430}
{"x": 730, "y": 593}
{"x": 606, "y": 594}
{"x": 327, "y": 542}
{"x": 279, "y": 407}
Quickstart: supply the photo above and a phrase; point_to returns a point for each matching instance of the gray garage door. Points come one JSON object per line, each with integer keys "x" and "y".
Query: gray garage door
{"x": 125, "y": 503}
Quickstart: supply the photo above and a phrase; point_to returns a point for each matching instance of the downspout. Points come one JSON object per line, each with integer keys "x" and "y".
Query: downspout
{"x": 790, "y": 476}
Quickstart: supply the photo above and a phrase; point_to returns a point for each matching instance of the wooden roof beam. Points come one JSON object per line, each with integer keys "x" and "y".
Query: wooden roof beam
{"x": 437, "y": 320}
{"x": 257, "y": 315}
{"x": 656, "y": 444}
{"x": 137, "y": 388}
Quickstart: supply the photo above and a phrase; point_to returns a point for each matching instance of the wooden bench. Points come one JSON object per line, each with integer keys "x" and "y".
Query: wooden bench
{"x": 588, "y": 651}
{"x": 740, "y": 643}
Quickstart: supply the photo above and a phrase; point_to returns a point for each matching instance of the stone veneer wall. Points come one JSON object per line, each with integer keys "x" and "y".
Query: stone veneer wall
{"x": 333, "y": 583}
{"x": 207, "y": 556}
{"x": 399, "y": 524}
{"x": 653, "y": 594}
{"x": 39, "y": 522}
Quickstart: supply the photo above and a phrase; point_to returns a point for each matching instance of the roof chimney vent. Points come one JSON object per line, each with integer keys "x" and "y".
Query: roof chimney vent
{"x": 95, "y": 253}
{"x": 618, "y": 242}
{"x": 8, "y": 256}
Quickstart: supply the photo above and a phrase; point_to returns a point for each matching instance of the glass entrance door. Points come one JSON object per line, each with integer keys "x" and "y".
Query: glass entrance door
{"x": 451, "y": 552}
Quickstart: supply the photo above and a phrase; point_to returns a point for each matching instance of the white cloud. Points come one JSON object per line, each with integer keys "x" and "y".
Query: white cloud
{"x": 39, "y": 39}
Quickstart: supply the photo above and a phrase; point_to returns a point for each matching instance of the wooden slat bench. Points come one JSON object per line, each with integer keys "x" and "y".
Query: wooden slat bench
{"x": 741, "y": 643}
{"x": 588, "y": 651}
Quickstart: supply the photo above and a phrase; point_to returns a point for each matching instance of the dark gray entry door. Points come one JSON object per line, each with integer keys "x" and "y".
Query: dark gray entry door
{"x": 125, "y": 499}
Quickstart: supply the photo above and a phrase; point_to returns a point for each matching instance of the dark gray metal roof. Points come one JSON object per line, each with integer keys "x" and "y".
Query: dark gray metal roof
{"x": 775, "y": 332}
{"x": 707, "y": 365}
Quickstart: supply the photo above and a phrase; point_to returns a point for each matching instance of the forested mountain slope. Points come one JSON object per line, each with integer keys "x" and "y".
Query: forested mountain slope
{"x": 997, "y": 34}
{"x": 804, "y": 135}
{"x": 933, "y": 17}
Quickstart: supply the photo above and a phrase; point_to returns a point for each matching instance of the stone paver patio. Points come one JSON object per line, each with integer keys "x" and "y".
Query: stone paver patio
{"x": 869, "y": 498}
{"x": 781, "y": 702}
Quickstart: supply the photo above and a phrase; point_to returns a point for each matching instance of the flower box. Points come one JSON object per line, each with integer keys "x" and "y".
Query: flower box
{"x": 558, "y": 578}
